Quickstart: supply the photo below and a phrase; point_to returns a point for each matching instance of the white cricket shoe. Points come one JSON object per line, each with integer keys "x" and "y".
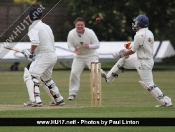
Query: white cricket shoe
{"x": 33, "y": 104}
{"x": 72, "y": 97}
{"x": 60, "y": 103}
{"x": 104, "y": 75}
{"x": 166, "y": 105}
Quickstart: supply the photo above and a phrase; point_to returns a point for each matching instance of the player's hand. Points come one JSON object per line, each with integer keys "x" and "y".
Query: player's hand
{"x": 86, "y": 46}
{"x": 127, "y": 45}
{"x": 120, "y": 54}
{"x": 77, "y": 52}
{"x": 28, "y": 54}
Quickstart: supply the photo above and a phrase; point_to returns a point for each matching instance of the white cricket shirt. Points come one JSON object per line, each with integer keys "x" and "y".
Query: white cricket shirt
{"x": 143, "y": 43}
{"x": 89, "y": 37}
{"x": 40, "y": 34}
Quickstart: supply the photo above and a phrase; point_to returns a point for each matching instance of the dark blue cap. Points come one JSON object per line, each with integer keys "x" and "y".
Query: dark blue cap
{"x": 35, "y": 13}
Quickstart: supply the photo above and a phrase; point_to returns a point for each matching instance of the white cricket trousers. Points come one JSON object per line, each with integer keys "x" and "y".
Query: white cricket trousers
{"x": 78, "y": 65}
{"x": 43, "y": 65}
{"x": 143, "y": 66}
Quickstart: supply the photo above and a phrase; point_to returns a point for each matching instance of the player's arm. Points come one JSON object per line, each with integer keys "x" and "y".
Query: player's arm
{"x": 29, "y": 53}
{"x": 95, "y": 44}
{"x": 125, "y": 53}
{"x": 34, "y": 38}
{"x": 135, "y": 45}
{"x": 128, "y": 52}
{"x": 137, "y": 41}
{"x": 33, "y": 47}
{"x": 70, "y": 45}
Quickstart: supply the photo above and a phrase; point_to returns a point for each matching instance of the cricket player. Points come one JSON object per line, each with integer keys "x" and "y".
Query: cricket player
{"x": 43, "y": 54}
{"x": 84, "y": 43}
{"x": 143, "y": 46}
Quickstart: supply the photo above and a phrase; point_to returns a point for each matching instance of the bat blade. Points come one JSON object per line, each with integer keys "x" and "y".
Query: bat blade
{"x": 13, "y": 48}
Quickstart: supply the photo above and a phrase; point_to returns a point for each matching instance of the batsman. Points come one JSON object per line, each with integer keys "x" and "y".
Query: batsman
{"x": 143, "y": 61}
{"x": 43, "y": 56}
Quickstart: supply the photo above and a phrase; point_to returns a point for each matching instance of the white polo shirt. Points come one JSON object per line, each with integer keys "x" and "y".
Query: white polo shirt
{"x": 89, "y": 37}
{"x": 143, "y": 43}
{"x": 40, "y": 34}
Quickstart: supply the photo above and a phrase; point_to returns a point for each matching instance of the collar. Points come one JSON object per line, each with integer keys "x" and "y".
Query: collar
{"x": 142, "y": 29}
{"x": 79, "y": 34}
{"x": 36, "y": 21}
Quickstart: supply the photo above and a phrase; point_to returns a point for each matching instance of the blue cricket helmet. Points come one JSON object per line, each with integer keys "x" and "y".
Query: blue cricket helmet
{"x": 140, "y": 20}
{"x": 35, "y": 13}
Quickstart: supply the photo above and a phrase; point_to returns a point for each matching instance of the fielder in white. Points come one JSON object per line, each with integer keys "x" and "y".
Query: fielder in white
{"x": 43, "y": 54}
{"x": 83, "y": 42}
{"x": 143, "y": 62}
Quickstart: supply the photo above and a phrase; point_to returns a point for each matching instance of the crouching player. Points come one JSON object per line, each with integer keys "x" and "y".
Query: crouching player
{"x": 143, "y": 46}
{"x": 43, "y": 56}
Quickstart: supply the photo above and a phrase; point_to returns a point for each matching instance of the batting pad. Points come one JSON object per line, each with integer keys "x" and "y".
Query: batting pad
{"x": 156, "y": 93}
{"x": 116, "y": 68}
{"x": 48, "y": 92}
{"x": 29, "y": 84}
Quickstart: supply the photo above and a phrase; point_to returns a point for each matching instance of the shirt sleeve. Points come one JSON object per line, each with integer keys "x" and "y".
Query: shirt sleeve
{"x": 69, "y": 43}
{"x": 33, "y": 36}
{"x": 95, "y": 44}
{"x": 136, "y": 43}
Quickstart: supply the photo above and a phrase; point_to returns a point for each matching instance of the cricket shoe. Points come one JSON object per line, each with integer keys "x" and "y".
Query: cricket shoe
{"x": 166, "y": 105}
{"x": 60, "y": 103}
{"x": 71, "y": 97}
{"x": 104, "y": 75}
{"x": 33, "y": 104}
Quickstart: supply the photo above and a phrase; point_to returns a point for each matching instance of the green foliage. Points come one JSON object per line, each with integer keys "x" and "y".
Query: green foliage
{"x": 48, "y": 1}
{"x": 117, "y": 17}
{"x": 25, "y": 1}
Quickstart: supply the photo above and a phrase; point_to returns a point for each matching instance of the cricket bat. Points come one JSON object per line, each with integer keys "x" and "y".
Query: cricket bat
{"x": 13, "y": 48}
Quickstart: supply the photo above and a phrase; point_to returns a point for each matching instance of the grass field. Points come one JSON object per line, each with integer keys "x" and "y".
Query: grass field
{"x": 124, "y": 98}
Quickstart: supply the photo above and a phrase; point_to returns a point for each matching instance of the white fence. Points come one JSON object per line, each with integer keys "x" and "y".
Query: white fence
{"x": 162, "y": 50}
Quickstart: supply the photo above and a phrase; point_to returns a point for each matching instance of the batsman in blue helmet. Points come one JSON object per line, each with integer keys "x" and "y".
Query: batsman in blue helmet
{"x": 43, "y": 57}
{"x": 143, "y": 61}
{"x": 35, "y": 13}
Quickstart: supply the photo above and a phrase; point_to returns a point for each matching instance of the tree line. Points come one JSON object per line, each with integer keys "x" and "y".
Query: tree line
{"x": 117, "y": 17}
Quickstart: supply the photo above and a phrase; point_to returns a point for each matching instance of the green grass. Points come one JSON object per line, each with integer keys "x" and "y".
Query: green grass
{"x": 167, "y": 64}
{"x": 124, "y": 98}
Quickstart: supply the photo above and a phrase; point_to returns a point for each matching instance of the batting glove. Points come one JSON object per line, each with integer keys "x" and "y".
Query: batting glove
{"x": 119, "y": 54}
{"x": 127, "y": 45}
{"x": 28, "y": 54}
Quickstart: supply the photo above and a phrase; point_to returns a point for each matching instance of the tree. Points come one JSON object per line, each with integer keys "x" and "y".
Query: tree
{"x": 25, "y": 1}
{"x": 118, "y": 15}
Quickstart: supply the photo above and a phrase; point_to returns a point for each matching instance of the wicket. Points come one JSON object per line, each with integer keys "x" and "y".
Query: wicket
{"x": 95, "y": 84}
